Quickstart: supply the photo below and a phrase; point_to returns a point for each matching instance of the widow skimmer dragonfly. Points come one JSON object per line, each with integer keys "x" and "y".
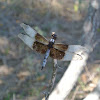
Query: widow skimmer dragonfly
{"x": 57, "y": 51}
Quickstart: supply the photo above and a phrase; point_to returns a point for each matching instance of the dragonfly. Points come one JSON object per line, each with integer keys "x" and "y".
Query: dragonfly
{"x": 58, "y": 51}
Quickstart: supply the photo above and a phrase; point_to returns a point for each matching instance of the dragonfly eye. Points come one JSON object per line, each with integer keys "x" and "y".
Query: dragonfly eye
{"x": 54, "y": 35}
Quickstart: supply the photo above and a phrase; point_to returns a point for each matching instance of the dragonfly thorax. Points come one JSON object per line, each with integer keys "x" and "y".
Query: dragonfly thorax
{"x": 52, "y": 40}
{"x": 51, "y": 43}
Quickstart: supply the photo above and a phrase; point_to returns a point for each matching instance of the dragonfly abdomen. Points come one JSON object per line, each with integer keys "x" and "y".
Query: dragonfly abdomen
{"x": 45, "y": 58}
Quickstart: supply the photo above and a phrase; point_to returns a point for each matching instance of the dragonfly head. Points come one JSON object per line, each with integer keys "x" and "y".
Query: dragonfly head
{"x": 54, "y": 35}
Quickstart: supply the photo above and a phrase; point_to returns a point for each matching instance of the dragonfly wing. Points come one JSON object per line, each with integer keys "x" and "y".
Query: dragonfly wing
{"x": 60, "y": 46}
{"x": 56, "y": 54}
{"x": 33, "y": 34}
{"x": 40, "y": 47}
{"x": 34, "y": 45}
{"x": 77, "y": 49}
{"x": 41, "y": 39}
{"x": 29, "y": 31}
{"x": 33, "y": 39}
{"x": 71, "y": 56}
{"x": 27, "y": 40}
{"x": 74, "y": 52}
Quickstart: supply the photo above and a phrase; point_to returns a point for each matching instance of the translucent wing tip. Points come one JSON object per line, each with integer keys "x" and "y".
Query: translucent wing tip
{"x": 23, "y": 25}
{"x": 75, "y": 52}
{"x": 20, "y": 35}
{"x": 30, "y": 31}
{"x": 26, "y": 39}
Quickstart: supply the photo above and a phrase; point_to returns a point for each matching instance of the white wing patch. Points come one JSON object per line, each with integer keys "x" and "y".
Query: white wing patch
{"x": 76, "y": 48}
{"x": 26, "y": 39}
{"x": 71, "y": 56}
{"x": 30, "y": 31}
{"x": 29, "y": 37}
{"x": 74, "y": 52}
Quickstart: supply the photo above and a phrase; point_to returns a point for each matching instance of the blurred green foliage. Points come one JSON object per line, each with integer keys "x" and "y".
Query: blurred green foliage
{"x": 98, "y": 29}
{"x": 9, "y": 96}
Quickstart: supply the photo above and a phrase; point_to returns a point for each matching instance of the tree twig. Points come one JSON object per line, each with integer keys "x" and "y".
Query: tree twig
{"x": 54, "y": 73}
{"x": 77, "y": 88}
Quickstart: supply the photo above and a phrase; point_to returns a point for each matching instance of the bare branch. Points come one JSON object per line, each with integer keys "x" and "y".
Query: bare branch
{"x": 73, "y": 98}
{"x": 51, "y": 86}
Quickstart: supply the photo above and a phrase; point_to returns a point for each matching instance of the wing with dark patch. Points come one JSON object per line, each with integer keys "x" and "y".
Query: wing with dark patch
{"x": 41, "y": 39}
{"x": 61, "y": 47}
{"x": 56, "y": 54}
{"x": 67, "y": 55}
{"x": 40, "y": 47}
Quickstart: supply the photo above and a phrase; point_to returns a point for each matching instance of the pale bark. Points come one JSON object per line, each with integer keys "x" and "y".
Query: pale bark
{"x": 75, "y": 68}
